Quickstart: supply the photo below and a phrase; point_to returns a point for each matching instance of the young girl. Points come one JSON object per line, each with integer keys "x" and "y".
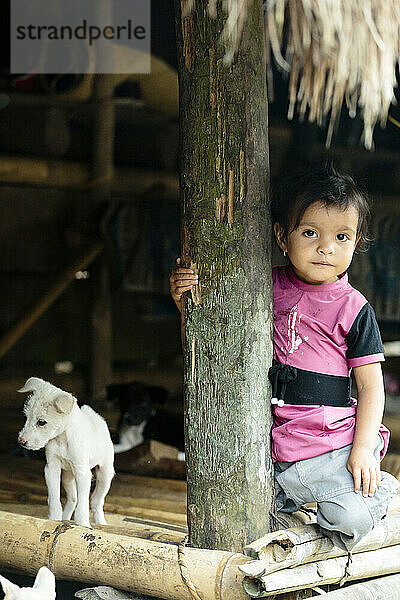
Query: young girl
{"x": 326, "y": 446}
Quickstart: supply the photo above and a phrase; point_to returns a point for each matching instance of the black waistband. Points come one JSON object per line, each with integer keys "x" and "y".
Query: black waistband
{"x": 296, "y": 386}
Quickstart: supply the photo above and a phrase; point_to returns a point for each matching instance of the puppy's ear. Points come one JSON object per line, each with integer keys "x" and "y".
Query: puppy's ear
{"x": 46, "y": 582}
{"x": 31, "y": 384}
{"x": 10, "y": 589}
{"x": 64, "y": 403}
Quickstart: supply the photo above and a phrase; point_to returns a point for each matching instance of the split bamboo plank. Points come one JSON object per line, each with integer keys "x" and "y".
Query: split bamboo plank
{"x": 334, "y": 570}
{"x": 118, "y": 489}
{"x": 126, "y": 521}
{"x": 11, "y": 496}
{"x": 32, "y": 510}
{"x": 148, "y": 513}
{"x": 114, "y": 519}
{"x": 111, "y": 506}
{"x": 39, "y": 496}
{"x": 300, "y": 545}
{"x": 163, "y": 483}
{"x": 122, "y": 502}
{"x": 383, "y": 588}
{"x": 26, "y": 469}
{"x": 33, "y": 486}
{"x": 172, "y": 506}
{"x": 131, "y": 564}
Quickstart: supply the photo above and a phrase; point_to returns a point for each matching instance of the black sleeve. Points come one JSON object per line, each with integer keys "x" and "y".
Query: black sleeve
{"x": 364, "y": 337}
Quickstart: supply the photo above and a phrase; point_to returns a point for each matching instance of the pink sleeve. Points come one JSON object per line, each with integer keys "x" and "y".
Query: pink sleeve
{"x": 365, "y": 360}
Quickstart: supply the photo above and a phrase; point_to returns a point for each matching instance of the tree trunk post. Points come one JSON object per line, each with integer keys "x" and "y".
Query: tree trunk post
{"x": 226, "y": 235}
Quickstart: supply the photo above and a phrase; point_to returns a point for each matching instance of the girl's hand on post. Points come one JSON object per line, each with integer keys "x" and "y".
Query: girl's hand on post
{"x": 363, "y": 465}
{"x": 182, "y": 280}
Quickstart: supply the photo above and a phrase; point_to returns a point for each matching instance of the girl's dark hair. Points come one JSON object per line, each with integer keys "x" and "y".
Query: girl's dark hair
{"x": 320, "y": 184}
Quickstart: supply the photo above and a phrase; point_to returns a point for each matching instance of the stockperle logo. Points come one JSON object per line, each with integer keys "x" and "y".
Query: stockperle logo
{"x": 75, "y": 36}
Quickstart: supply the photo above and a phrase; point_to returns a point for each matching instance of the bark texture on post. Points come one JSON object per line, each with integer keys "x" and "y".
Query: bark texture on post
{"x": 226, "y": 237}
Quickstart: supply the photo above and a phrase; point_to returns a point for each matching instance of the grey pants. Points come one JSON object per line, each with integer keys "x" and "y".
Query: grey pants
{"x": 344, "y": 516}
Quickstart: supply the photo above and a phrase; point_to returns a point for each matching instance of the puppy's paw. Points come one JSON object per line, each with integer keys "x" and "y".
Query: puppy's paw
{"x": 83, "y": 524}
{"x": 55, "y": 515}
{"x": 100, "y": 521}
{"x": 82, "y": 520}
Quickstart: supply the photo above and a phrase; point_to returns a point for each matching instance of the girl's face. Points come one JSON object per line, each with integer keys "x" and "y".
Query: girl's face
{"x": 322, "y": 246}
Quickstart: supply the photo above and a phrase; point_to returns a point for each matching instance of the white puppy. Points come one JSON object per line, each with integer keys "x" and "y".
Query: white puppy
{"x": 76, "y": 440}
{"x": 44, "y": 587}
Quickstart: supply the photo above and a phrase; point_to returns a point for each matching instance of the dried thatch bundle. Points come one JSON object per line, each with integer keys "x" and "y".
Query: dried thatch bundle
{"x": 335, "y": 50}
{"x": 236, "y": 11}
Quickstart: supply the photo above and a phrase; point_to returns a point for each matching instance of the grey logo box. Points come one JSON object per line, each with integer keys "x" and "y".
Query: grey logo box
{"x": 80, "y": 36}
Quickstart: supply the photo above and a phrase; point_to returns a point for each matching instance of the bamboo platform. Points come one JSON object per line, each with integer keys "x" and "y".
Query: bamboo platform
{"x": 142, "y": 549}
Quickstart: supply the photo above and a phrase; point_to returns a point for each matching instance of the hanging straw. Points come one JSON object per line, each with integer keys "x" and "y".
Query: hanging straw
{"x": 346, "y": 50}
{"x": 335, "y": 51}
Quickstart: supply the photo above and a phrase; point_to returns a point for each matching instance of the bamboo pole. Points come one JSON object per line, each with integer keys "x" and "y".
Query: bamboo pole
{"x": 127, "y": 563}
{"x": 324, "y": 572}
{"x": 119, "y": 524}
{"x": 296, "y": 546}
{"x": 17, "y": 330}
{"x": 383, "y": 588}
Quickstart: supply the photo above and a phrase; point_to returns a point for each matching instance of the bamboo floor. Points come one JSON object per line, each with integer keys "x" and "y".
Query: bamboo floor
{"x": 146, "y": 509}
{"x": 23, "y": 488}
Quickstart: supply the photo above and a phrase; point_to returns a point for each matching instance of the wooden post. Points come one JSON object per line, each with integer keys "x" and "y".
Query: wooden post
{"x": 102, "y": 170}
{"x": 226, "y": 238}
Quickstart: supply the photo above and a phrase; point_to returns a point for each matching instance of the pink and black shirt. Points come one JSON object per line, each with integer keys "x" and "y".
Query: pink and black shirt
{"x": 328, "y": 329}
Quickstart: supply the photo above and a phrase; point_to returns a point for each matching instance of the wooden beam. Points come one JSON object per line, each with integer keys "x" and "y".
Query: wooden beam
{"x": 18, "y": 329}
{"x": 23, "y": 171}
